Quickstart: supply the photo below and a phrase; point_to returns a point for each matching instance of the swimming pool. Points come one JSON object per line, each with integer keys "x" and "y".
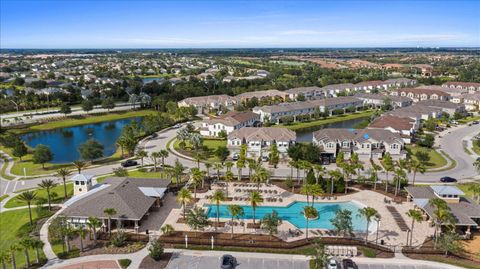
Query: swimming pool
{"x": 293, "y": 214}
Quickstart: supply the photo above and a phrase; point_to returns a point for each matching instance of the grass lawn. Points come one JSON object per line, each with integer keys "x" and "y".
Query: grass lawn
{"x": 2, "y": 171}
{"x": 469, "y": 119}
{"x": 436, "y": 159}
{"x": 211, "y": 144}
{"x": 476, "y": 148}
{"x": 80, "y": 120}
{"x": 14, "y": 225}
{"x": 139, "y": 174}
{"x": 15, "y": 202}
{"x": 465, "y": 188}
{"x": 3, "y": 197}
{"x": 302, "y": 126}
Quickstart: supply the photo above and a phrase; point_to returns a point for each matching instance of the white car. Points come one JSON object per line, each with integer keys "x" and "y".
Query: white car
{"x": 332, "y": 264}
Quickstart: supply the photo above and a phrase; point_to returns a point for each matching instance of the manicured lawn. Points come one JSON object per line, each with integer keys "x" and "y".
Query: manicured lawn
{"x": 469, "y": 119}
{"x": 465, "y": 188}
{"x": 3, "y": 197}
{"x": 80, "y": 120}
{"x": 476, "y": 148}
{"x": 14, "y": 225}
{"x": 211, "y": 144}
{"x": 297, "y": 126}
{"x": 3, "y": 170}
{"x": 15, "y": 202}
{"x": 436, "y": 160}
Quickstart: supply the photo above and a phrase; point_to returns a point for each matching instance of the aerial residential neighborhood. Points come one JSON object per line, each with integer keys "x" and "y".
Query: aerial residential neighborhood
{"x": 239, "y": 134}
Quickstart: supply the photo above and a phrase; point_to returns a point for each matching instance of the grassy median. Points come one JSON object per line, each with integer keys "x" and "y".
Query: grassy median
{"x": 305, "y": 126}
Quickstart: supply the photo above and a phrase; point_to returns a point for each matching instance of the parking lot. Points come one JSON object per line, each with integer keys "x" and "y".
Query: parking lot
{"x": 183, "y": 261}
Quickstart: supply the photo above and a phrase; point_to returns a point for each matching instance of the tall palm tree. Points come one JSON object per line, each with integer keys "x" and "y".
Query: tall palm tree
{"x": 5, "y": 257}
{"x": 67, "y": 232}
{"x": 63, "y": 173}
{"x": 13, "y": 249}
{"x": 368, "y": 213}
{"x": 476, "y": 164}
{"x": 79, "y": 165}
{"x": 415, "y": 167}
{"x": 260, "y": 175}
{"x": 374, "y": 173}
{"x": 110, "y": 212}
{"x": 252, "y": 164}
{"x": 178, "y": 170}
{"x": 93, "y": 223}
{"x": 377, "y": 219}
{"x": 26, "y": 244}
{"x": 305, "y": 190}
{"x": 154, "y": 156}
{"x": 416, "y": 217}
{"x": 48, "y": 185}
{"x": 218, "y": 197}
{"x": 184, "y": 197}
{"x": 229, "y": 165}
{"x": 207, "y": 167}
{"x": 218, "y": 166}
{"x": 309, "y": 212}
{"x": 335, "y": 175}
{"x": 319, "y": 171}
{"x": 228, "y": 178}
{"x": 255, "y": 199}
{"x": 236, "y": 212}
{"x": 315, "y": 190}
{"x": 82, "y": 232}
{"x": 197, "y": 177}
{"x": 387, "y": 164}
{"x": 240, "y": 165}
{"x": 163, "y": 154}
{"x": 142, "y": 154}
{"x": 28, "y": 197}
{"x": 475, "y": 189}
{"x": 442, "y": 215}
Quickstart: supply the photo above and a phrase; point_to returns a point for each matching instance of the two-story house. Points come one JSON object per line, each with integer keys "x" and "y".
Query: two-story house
{"x": 209, "y": 102}
{"x": 228, "y": 122}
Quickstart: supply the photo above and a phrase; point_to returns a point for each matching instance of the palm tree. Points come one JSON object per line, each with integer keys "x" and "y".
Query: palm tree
{"x": 305, "y": 190}
{"x": 442, "y": 215}
{"x": 270, "y": 222}
{"x": 154, "y": 156}
{"x": 374, "y": 173}
{"x": 368, "y": 213}
{"x": 255, "y": 199}
{"x": 260, "y": 175}
{"x": 218, "y": 166}
{"x": 228, "y": 178}
{"x": 48, "y": 185}
{"x": 80, "y": 165}
{"x": 416, "y": 217}
{"x": 476, "y": 164}
{"x": 229, "y": 165}
{"x": 377, "y": 219}
{"x": 335, "y": 175}
{"x": 142, "y": 154}
{"x": 207, "y": 167}
{"x": 236, "y": 212}
{"x": 82, "y": 232}
{"x": 305, "y": 166}
{"x": 93, "y": 223}
{"x": 315, "y": 190}
{"x": 240, "y": 165}
{"x": 388, "y": 166}
{"x": 28, "y": 197}
{"x": 475, "y": 189}
{"x": 167, "y": 229}
{"x": 26, "y": 244}
{"x": 4, "y": 258}
{"x": 309, "y": 212}
{"x": 67, "y": 232}
{"x": 64, "y": 173}
{"x": 217, "y": 197}
{"x": 197, "y": 176}
{"x": 163, "y": 155}
{"x": 184, "y": 197}
{"x": 319, "y": 171}
{"x": 400, "y": 175}
{"x": 110, "y": 212}
{"x": 415, "y": 166}
{"x": 13, "y": 249}
{"x": 294, "y": 164}
{"x": 252, "y": 164}
{"x": 178, "y": 170}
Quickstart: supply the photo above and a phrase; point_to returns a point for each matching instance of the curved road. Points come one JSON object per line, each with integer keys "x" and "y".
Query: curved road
{"x": 450, "y": 142}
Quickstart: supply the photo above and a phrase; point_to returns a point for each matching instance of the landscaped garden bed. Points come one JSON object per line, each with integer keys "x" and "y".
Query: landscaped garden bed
{"x": 148, "y": 262}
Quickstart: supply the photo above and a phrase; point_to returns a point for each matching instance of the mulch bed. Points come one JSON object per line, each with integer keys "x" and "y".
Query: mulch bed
{"x": 402, "y": 196}
{"x": 149, "y": 263}
{"x": 103, "y": 247}
{"x": 251, "y": 226}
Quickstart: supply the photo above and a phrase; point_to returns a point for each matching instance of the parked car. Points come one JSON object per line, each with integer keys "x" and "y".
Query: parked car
{"x": 447, "y": 179}
{"x": 264, "y": 158}
{"x": 227, "y": 261}
{"x": 349, "y": 264}
{"x": 235, "y": 157}
{"x": 332, "y": 264}
{"x": 475, "y": 122}
{"x": 129, "y": 163}
{"x": 176, "y": 126}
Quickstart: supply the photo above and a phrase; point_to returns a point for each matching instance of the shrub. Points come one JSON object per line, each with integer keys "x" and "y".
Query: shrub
{"x": 125, "y": 262}
{"x": 369, "y": 253}
{"x": 120, "y": 172}
{"x": 156, "y": 250}
{"x": 289, "y": 182}
{"x": 118, "y": 239}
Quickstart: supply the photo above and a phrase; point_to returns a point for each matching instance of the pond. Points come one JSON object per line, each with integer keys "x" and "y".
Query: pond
{"x": 64, "y": 142}
{"x": 159, "y": 80}
{"x": 307, "y": 136}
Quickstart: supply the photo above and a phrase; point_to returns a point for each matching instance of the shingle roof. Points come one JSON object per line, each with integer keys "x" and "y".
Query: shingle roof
{"x": 340, "y": 134}
{"x": 122, "y": 194}
{"x": 397, "y": 123}
{"x": 232, "y": 118}
{"x": 447, "y": 190}
{"x": 263, "y": 133}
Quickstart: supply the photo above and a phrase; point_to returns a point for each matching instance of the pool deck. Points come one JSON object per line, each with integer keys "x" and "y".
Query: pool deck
{"x": 389, "y": 231}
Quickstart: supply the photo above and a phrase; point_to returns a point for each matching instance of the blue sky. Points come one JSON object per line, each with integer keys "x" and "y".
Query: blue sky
{"x": 220, "y": 24}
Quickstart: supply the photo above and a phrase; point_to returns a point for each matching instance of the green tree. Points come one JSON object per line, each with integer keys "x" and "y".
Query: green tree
{"x": 156, "y": 249}
{"x": 441, "y": 216}
{"x": 82, "y": 233}
{"x": 368, "y": 213}
{"x": 218, "y": 197}
{"x": 94, "y": 223}
{"x": 163, "y": 154}
{"x": 319, "y": 254}
{"x": 167, "y": 229}
{"x": 197, "y": 177}
{"x": 178, "y": 170}
{"x": 155, "y": 156}
{"x": 120, "y": 172}
{"x": 335, "y": 176}
{"x": 142, "y": 154}
{"x": 48, "y": 185}
{"x": 255, "y": 199}
{"x": 65, "y": 109}
{"x": 422, "y": 156}
{"x": 108, "y": 104}
{"x": 309, "y": 212}
{"x": 63, "y": 173}
{"x": 274, "y": 155}
{"x": 42, "y": 155}
{"x": 197, "y": 219}
{"x": 110, "y": 212}
{"x": 343, "y": 222}
{"x": 28, "y": 197}
{"x": 79, "y": 165}
{"x": 91, "y": 150}
{"x": 416, "y": 167}
{"x": 87, "y": 105}
{"x": 416, "y": 216}
{"x": 270, "y": 223}
{"x": 387, "y": 164}
{"x": 13, "y": 249}
{"x": 4, "y": 259}
{"x": 450, "y": 243}
{"x": 19, "y": 150}
{"x": 315, "y": 190}
{"x": 236, "y": 212}
{"x": 26, "y": 244}
{"x": 222, "y": 153}
{"x": 184, "y": 197}
{"x": 36, "y": 244}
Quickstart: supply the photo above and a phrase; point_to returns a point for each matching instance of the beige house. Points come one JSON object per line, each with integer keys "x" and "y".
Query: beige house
{"x": 419, "y": 94}
{"x": 228, "y": 122}
{"x": 209, "y": 102}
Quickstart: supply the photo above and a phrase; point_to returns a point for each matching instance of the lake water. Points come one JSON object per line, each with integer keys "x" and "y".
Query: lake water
{"x": 306, "y": 136}
{"x": 151, "y": 79}
{"x": 64, "y": 142}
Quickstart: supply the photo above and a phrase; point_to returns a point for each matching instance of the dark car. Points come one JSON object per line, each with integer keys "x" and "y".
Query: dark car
{"x": 475, "y": 122}
{"x": 228, "y": 262}
{"x": 129, "y": 163}
{"x": 349, "y": 264}
{"x": 447, "y": 179}
{"x": 235, "y": 157}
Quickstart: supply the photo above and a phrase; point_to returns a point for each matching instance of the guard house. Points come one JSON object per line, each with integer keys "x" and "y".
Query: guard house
{"x": 81, "y": 183}
{"x": 465, "y": 210}
{"x": 133, "y": 200}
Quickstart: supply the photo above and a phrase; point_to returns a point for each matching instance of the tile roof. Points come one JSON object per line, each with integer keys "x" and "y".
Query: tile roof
{"x": 341, "y": 134}
{"x": 397, "y": 123}
{"x": 233, "y": 118}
